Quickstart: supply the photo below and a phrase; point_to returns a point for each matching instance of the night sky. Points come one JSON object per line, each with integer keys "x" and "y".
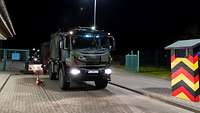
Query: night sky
{"x": 141, "y": 24}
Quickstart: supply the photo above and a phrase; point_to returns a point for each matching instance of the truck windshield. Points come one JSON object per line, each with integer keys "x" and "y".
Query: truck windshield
{"x": 87, "y": 41}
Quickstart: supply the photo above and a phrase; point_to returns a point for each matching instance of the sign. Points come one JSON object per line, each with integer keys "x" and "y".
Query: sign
{"x": 93, "y": 71}
{"x": 15, "y": 56}
{"x": 36, "y": 68}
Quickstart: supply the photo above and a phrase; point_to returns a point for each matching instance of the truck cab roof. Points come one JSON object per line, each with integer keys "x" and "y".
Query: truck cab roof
{"x": 85, "y": 30}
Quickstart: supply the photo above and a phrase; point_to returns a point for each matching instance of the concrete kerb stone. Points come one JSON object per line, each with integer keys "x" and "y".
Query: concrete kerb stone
{"x": 5, "y": 81}
{"x": 159, "y": 97}
{"x": 170, "y": 100}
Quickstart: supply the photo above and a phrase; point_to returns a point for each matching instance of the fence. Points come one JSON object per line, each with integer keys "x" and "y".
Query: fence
{"x": 13, "y": 59}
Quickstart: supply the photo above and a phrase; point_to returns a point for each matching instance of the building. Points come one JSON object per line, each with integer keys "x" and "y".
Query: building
{"x": 6, "y": 27}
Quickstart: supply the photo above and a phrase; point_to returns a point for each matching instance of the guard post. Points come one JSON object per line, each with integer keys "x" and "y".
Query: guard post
{"x": 185, "y": 69}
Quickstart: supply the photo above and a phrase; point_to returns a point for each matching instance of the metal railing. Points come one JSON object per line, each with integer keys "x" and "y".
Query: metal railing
{"x": 13, "y": 59}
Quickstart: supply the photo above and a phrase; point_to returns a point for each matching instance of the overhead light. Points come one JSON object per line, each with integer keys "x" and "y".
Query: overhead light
{"x": 93, "y": 28}
{"x": 8, "y": 17}
{"x": 87, "y": 36}
{"x": 2, "y": 37}
{"x": 97, "y": 36}
{"x": 5, "y": 24}
{"x": 35, "y": 59}
{"x": 71, "y": 32}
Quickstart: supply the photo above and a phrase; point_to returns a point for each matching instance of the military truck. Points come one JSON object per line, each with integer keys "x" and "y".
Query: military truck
{"x": 81, "y": 54}
{"x": 45, "y": 53}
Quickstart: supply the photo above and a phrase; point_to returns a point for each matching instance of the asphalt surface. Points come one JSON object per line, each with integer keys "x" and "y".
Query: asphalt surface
{"x": 21, "y": 95}
{"x": 138, "y": 81}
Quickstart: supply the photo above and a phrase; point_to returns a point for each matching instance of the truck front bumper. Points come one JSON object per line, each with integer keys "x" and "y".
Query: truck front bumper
{"x": 90, "y": 74}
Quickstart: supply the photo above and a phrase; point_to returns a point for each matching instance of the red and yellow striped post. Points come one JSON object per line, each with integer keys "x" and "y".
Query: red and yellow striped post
{"x": 185, "y": 76}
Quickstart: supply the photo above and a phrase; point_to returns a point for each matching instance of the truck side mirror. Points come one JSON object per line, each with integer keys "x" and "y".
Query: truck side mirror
{"x": 112, "y": 47}
{"x": 61, "y": 45}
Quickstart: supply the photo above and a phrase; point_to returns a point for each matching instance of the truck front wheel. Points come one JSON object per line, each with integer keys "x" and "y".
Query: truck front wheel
{"x": 101, "y": 84}
{"x": 63, "y": 83}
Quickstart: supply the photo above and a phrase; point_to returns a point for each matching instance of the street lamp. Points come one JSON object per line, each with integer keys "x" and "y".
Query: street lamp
{"x": 71, "y": 32}
{"x": 95, "y": 9}
{"x": 93, "y": 27}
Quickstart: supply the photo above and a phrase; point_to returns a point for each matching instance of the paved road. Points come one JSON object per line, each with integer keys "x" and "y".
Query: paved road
{"x": 138, "y": 81}
{"x": 21, "y": 95}
{"x": 157, "y": 88}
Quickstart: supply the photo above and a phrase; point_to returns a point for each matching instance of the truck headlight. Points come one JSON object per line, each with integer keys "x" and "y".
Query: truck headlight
{"x": 75, "y": 71}
{"x": 108, "y": 71}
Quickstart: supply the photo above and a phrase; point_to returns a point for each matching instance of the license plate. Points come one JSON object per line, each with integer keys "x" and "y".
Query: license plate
{"x": 93, "y": 71}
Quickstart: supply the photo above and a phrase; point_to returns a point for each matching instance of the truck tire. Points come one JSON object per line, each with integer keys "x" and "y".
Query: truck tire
{"x": 101, "y": 84}
{"x": 63, "y": 83}
{"x": 52, "y": 75}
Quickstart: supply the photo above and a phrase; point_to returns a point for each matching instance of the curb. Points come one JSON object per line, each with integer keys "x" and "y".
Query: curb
{"x": 1, "y": 88}
{"x": 157, "y": 97}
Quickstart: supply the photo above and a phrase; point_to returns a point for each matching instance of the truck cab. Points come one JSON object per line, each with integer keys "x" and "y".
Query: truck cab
{"x": 81, "y": 54}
